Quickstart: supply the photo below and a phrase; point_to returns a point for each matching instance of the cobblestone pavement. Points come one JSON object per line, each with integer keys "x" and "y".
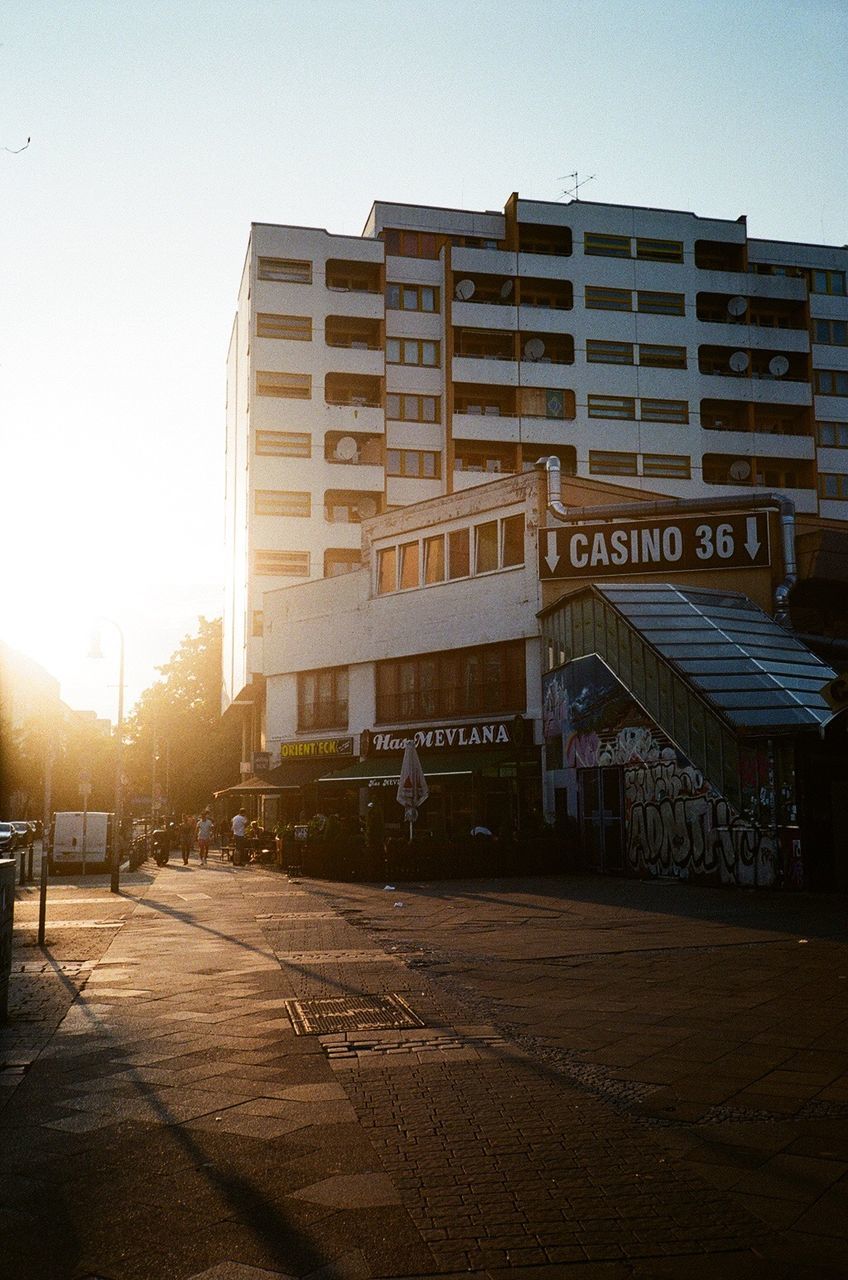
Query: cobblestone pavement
{"x": 171, "y": 1114}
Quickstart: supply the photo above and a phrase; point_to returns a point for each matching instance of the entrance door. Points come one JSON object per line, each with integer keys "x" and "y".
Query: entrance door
{"x": 601, "y": 801}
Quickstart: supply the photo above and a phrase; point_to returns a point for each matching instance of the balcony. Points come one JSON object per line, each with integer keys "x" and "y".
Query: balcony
{"x": 719, "y": 255}
{"x": 486, "y": 458}
{"x": 351, "y": 506}
{"x": 758, "y": 472}
{"x": 743, "y": 363}
{"x": 349, "y": 276}
{"x": 496, "y": 401}
{"x": 763, "y": 419}
{"x": 353, "y": 449}
{"x": 359, "y": 391}
{"x": 355, "y": 332}
{"x": 749, "y": 308}
{"x": 541, "y": 238}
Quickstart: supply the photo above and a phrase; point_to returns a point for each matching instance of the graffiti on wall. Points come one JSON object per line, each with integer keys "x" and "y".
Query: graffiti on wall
{"x": 677, "y": 822}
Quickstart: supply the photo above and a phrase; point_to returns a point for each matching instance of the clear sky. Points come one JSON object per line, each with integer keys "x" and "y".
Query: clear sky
{"x": 161, "y": 129}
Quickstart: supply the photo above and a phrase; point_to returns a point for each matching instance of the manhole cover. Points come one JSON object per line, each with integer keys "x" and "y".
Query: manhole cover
{"x": 345, "y": 1013}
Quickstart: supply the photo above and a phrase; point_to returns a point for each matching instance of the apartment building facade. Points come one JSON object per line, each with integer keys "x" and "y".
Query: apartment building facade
{"x": 653, "y": 349}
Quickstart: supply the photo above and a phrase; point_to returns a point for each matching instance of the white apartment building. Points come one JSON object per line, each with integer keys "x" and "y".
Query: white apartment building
{"x": 651, "y": 348}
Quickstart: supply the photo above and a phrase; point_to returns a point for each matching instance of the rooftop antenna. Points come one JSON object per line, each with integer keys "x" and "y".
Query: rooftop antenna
{"x": 572, "y": 190}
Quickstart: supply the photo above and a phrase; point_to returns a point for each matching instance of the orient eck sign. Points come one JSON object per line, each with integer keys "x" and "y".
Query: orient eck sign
{"x": 614, "y": 548}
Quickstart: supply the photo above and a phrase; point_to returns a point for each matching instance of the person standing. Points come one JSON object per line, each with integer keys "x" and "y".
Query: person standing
{"x": 205, "y": 832}
{"x": 239, "y": 828}
{"x": 187, "y": 829}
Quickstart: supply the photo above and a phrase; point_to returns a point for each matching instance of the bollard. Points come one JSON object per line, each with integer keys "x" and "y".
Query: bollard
{"x": 22, "y": 876}
{"x": 30, "y": 853}
{"x": 42, "y": 898}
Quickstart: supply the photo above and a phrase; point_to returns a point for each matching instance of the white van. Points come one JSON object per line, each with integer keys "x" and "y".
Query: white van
{"x": 81, "y": 841}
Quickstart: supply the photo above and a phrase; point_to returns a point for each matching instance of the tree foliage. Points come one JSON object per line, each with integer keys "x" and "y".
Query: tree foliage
{"x": 176, "y": 742}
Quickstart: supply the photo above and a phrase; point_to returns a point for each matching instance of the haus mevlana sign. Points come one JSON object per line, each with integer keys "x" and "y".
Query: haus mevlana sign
{"x": 615, "y": 547}
{"x": 498, "y": 733}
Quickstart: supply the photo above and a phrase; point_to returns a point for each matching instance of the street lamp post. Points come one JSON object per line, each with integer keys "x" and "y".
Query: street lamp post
{"x": 96, "y": 652}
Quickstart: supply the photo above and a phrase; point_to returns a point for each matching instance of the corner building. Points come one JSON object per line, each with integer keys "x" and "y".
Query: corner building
{"x": 654, "y": 349}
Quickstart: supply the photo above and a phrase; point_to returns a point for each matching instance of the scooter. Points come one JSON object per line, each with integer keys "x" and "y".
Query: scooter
{"x": 161, "y": 843}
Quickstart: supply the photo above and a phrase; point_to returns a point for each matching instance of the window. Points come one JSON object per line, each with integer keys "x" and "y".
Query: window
{"x": 827, "y": 282}
{"x": 611, "y": 407}
{"x": 459, "y": 558}
{"x": 257, "y": 624}
{"x": 288, "y": 386}
{"x": 295, "y": 328}
{"x": 411, "y": 244}
{"x": 655, "y": 356}
{"x": 434, "y": 559}
{"x": 486, "y": 680}
{"x": 408, "y": 564}
{"x": 404, "y": 408}
{"x": 536, "y": 402}
{"x": 338, "y": 560}
{"x": 598, "y": 299}
{"x": 290, "y": 270}
{"x": 284, "y": 444}
{"x": 833, "y": 486}
{"x": 486, "y": 547}
{"x": 512, "y": 541}
{"x": 830, "y": 382}
{"x": 599, "y": 351}
{"x": 417, "y": 351}
{"x": 669, "y": 465}
{"x": 659, "y": 250}
{"x": 288, "y": 564}
{"x": 412, "y": 297}
{"x": 832, "y": 332}
{"x": 661, "y": 304}
{"x": 664, "y": 410}
{"x": 833, "y": 435}
{"x": 421, "y": 464}
{"x": 278, "y": 502}
{"x": 322, "y": 699}
{"x": 603, "y": 463}
{"x": 598, "y": 244}
{"x": 386, "y": 570}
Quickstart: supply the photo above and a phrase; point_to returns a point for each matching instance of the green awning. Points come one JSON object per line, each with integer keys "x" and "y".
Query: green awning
{"x": 445, "y": 764}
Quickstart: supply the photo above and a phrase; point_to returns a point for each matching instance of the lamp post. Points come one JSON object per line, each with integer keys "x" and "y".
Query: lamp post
{"x": 96, "y": 652}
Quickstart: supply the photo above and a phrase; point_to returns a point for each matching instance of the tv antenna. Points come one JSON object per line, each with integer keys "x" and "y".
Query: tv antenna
{"x": 577, "y": 184}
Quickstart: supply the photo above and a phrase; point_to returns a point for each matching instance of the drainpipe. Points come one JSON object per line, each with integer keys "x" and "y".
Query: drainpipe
{"x": 785, "y": 507}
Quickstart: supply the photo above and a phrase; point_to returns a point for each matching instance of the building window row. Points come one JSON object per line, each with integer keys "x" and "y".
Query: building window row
{"x": 284, "y": 564}
{"x": 412, "y": 297}
{"x": 650, "y": 354}
{"x": 413, "y": 408}
{"x": 623, "y": 408}
{"x": 605, "y": 462}
{"x": 461, "y": 553}
{"x": 599, "y": 244}
{"x": 833, "y": 486}
{"x": 414, "y": 351}
{"x": 281, "y": 502}
{"x": 322, "y": 699}
{"x": 648, "y": 301}
{"x": 833, "y": 333}
{"x": 830, "y": 382}
{"x": 420, "y": 464}
{"x": 832, "y": 435}
{"x": 485, "y": 680}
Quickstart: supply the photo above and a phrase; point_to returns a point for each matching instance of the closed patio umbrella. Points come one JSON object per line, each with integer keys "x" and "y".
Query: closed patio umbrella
{"x": 412, "y": 788}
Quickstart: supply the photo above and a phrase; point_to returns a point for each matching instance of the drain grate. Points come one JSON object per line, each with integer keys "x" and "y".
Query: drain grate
{"x": 347, "y": 1013}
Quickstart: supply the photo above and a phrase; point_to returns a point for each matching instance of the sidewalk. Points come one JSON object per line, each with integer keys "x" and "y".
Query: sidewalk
{"x": 165, "y": 1120}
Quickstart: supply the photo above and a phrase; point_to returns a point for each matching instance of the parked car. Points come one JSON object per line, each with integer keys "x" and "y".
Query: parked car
{"x": 24, "y": 834}
{"x": 8, "y": 840}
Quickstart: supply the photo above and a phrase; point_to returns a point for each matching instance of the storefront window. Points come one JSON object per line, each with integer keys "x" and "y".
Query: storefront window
{"x": 486, "y": 547}
{"x": 386, "y": 570}
{"x": 485, "y": 680}
{"x": 434, "y": 560}
{"x": 459, "y": 563}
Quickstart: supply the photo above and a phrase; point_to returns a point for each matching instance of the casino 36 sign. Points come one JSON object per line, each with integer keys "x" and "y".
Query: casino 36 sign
{"x": 617, "y": 547}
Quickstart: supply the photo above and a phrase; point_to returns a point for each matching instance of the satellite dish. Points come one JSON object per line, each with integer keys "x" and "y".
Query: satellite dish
{"x": 367, "y": 508}
{"x": 465, "y": 290}
{"x": 534, "y": 349}
{"x": 347, "y": 449}
{"x": 737, "y": 306}
{"x": 740, "y": 469}
{"x": 506, "y": 290}
{"x": 739, "y": 361}
{"x": 778, "y": 365}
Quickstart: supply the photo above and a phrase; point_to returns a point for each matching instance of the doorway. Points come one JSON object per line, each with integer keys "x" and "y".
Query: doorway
{"x": 601, "y": 816}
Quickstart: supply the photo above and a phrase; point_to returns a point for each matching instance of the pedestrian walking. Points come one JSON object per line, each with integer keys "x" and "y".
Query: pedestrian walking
{"x": 205, "y": 832}
{"x": 239, "y": 829}
{"x": 187, "y": 830}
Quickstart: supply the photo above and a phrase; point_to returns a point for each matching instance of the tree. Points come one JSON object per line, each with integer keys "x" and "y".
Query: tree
{"x": 177, "y": 743}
